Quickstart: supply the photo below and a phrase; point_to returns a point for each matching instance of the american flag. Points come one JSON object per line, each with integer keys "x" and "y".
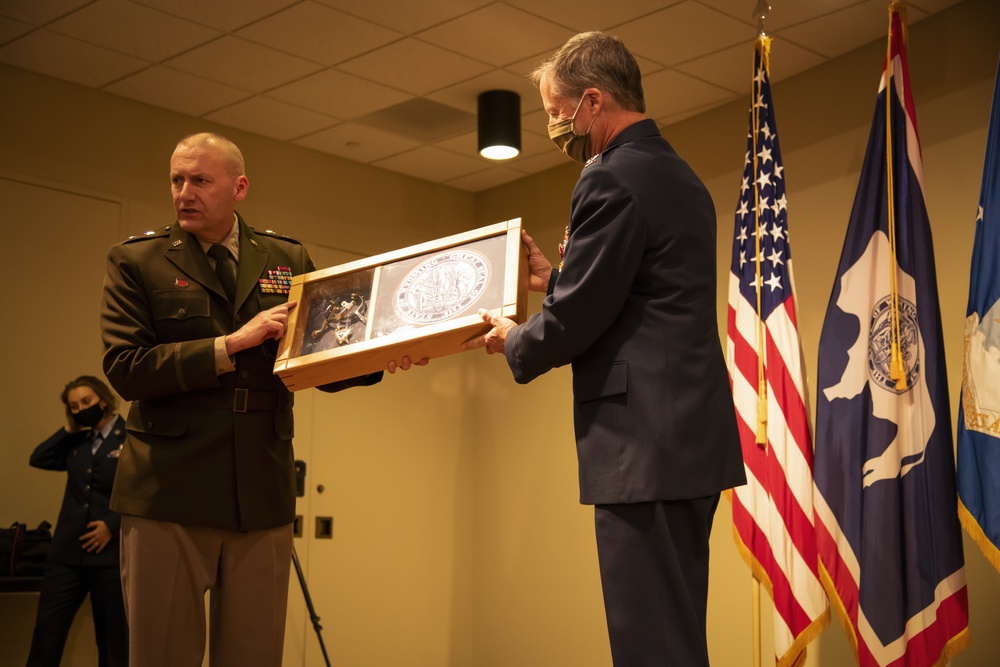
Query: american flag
{"x": 889, "y": 541}
{"x": 773, "y": 512}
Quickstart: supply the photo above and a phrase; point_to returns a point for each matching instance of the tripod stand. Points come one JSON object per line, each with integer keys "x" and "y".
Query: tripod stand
{"x": 312, "y": 610}
{"x": 300, "y": 490}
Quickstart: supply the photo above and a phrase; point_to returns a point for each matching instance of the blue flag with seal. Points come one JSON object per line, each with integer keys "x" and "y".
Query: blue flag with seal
{"x": 888, "y": 534}
{"x": 979, "y": 412}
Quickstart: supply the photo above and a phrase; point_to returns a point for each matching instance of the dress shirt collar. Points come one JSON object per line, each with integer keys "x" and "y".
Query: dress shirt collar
{"x": 232, "y": 241}
{"x": 107, "y": 427}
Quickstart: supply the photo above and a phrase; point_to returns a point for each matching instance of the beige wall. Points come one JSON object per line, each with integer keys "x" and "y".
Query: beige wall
{"x": 458, "y": 539}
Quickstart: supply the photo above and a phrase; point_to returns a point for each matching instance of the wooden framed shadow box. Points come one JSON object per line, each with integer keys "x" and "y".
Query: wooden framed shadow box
{"x": 421, "y": 301}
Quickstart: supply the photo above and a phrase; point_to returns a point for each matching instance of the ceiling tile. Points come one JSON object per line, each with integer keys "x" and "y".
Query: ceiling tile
{"x": 422, "y": 120}
{"x": 433, "y": 164}
{"x": 220, "y": 14}
{"x": 671, "y": 119}
{"x": 782, "y": 14}
{"x": 271, "y": 118}
{"x": 237, "y": 62}
{"x": 164, "y": 87}
{"x": 315, "y": 32}
{"x": 133, "y": 29}
{"x": 732, "y": 68}
{"x": 785, "y": 14}
{"x": 524, "y": 68}
{"x": 535, "y": 121}
{"x": 11, "y": 29}
{"x": 357, "y": 142}
{"x": 485, "y": 180}
{"x": 537, "y": 163}
{"x": 931, "y": 6}
{"x": 39, "y": 13}
{"x": 466, "y": 144}
{"x": 406, "y": 15}
{"x": 338, "y": 94}
{"x": 465, "y": 95}
{"x": 669, "y": 92}
{"x": 692, "y": 53}
{"x": 682, "y": 32}
{"x": 583, "y": 16}
{"x": 647, "y": 66}
{"x": 414, "y": 66}
{"x": 532, "y": 145}
{"x": 498, "y": 34}
{"x": 845, "y": 30}
{"x": 788, "y": 59}
{"x": 66, "y": 58}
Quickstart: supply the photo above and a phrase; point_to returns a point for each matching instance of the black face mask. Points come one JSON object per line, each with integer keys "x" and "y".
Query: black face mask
{"x": 89, "y": 417}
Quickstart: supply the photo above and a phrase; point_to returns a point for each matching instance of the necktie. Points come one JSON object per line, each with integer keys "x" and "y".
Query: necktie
{"x": 224, "y": 269}
{"x": 96, "y": 438}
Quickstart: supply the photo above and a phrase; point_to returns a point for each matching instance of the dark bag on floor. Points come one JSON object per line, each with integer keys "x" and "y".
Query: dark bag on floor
{"x": 23, "y": 551}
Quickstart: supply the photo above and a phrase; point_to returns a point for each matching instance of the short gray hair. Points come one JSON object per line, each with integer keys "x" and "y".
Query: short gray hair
{"x": 229, "y": 150}
{"x": 598, "y": 60}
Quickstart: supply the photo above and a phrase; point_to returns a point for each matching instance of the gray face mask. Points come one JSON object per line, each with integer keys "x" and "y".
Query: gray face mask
{"x": 563, "y": 134}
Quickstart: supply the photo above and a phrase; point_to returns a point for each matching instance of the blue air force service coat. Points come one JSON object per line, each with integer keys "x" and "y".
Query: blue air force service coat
{"x": 90, "y": 476}
{"x": 634, "y": 311}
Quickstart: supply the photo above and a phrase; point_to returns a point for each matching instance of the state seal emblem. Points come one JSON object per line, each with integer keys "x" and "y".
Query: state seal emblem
{"x": 442, "y": 287}
{"x": 880, "y": 343}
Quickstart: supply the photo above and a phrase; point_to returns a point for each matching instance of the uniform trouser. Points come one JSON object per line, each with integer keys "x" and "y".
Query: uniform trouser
{"x": 166, "y": 570}
{"x": 654, "y": 572}
{"x": 64, "y": 588}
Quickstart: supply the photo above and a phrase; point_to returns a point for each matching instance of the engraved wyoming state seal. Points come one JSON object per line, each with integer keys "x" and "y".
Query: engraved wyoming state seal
{"x": 880, "y": 343}
{"x": 443, "y": 286}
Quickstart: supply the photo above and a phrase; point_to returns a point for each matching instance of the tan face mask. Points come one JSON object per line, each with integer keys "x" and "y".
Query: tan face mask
{"x": 563, "y": 134}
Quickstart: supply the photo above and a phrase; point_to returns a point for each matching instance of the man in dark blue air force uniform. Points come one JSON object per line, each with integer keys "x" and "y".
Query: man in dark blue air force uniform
{"x": 633, "y": 309}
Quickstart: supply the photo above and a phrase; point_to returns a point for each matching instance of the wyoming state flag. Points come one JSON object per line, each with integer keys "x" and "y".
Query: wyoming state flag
{"x": 979, "y": 414}
{"x": 888, "y": 536}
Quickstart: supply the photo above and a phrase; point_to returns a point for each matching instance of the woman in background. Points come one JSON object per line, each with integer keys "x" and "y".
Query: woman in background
{"x": 83, "y": 557}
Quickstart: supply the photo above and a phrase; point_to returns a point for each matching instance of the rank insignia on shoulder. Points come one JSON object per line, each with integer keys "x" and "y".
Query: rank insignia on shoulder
{"x": 278, "y": 281}
{"x": 276, "y": 235}
{"x": 148, "y": 235}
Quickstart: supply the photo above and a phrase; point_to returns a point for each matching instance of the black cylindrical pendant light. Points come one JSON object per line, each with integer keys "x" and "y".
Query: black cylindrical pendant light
{"x": 499, "y": 124}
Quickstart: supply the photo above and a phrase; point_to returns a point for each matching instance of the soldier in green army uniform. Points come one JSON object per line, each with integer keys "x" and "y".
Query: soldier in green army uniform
{"x": 190, "y": 319}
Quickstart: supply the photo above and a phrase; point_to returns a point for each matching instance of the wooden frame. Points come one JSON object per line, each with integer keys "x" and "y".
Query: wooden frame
{"x": 421, "y": 301}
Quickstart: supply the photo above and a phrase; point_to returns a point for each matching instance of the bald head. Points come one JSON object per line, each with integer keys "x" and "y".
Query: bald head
{"x": 226, "y": 149}
{"x": 207, "y": 182}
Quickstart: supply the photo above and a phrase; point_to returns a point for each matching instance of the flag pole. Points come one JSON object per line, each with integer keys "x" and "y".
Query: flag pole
{"x": 755, "y": 595}
{"x": 762, "y": 43}
{"x": 897, "y": 365}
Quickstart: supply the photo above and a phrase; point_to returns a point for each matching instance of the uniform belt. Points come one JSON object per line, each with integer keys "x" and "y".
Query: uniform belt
{"x": 237, "y": 400}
